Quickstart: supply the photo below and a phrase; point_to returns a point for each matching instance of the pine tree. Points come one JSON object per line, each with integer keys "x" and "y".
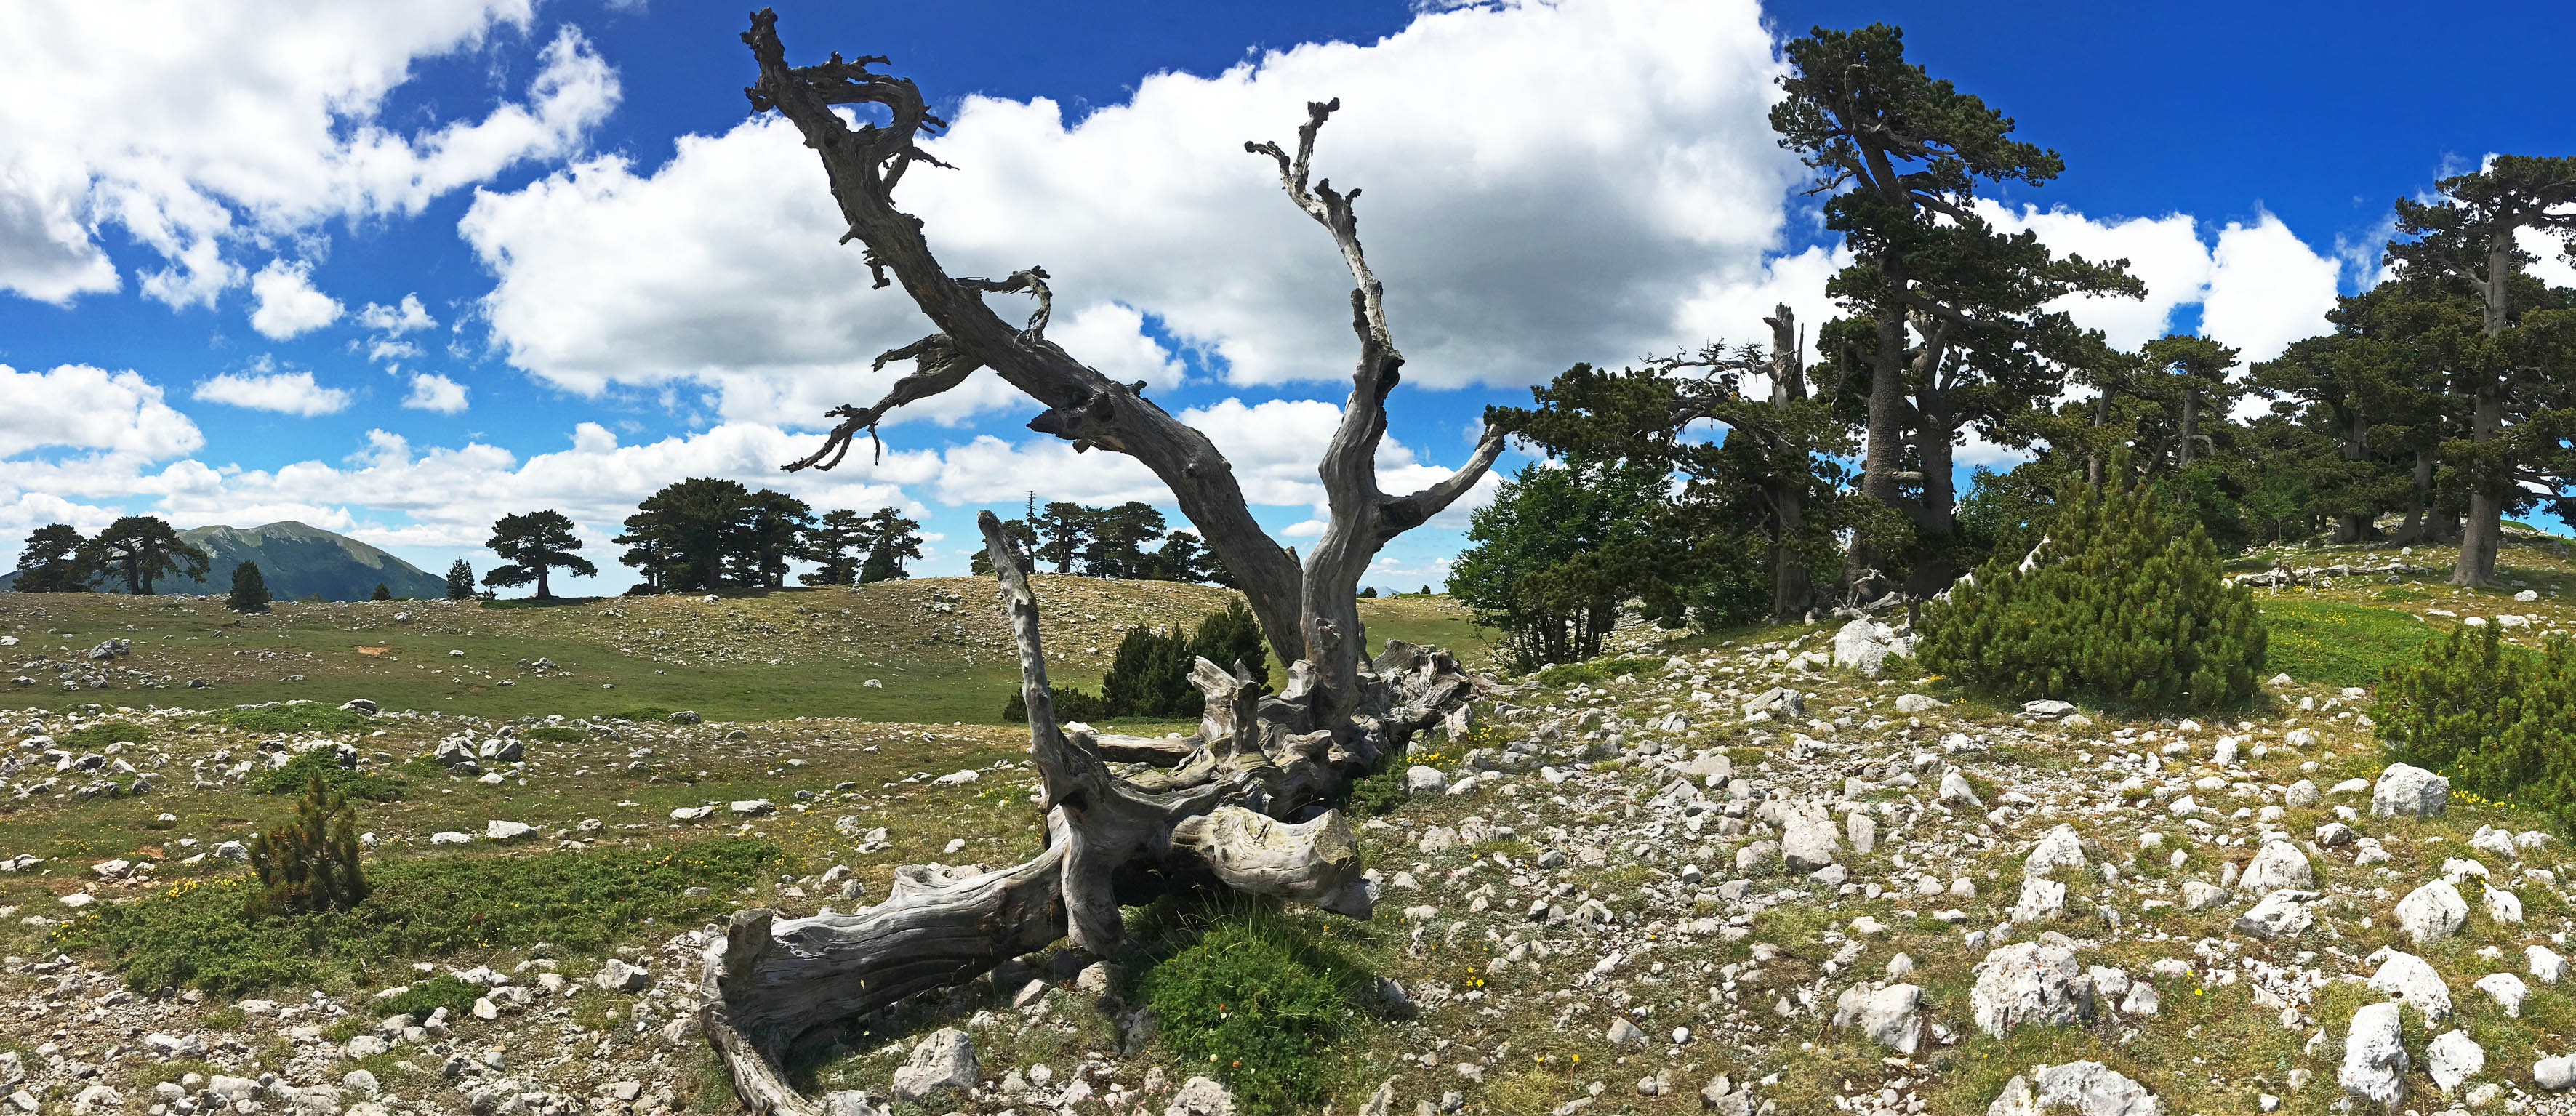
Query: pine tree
{"x": 56, "y": 560}
{"x": 250, "y": 589}
{"x": 311, "y": 863}
{"x": 2123, "y": 601}
{"x": 383, "y": 592}
{"x": 535, "y": 543}
{"x": 140, "y": 549}
{"x": 460, "y": 581}
{"x": 1231, "y": 638}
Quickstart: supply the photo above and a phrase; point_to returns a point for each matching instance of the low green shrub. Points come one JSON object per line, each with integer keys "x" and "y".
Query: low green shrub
{"x": 91, "y": 738}
{"x": 555, "y": 734}
{"x": 1255, "y": 999}
{"x": 1378, "y": 793}
{"x": 295, "y": 716}
{"x": 1597, "y": 671}
{"x": 320, "y": 763}
{"x": 2490, "y": 716}
{"x": 2124, "y": 603}
{"x": 1149, "y": 674}
{"x": 202, "y": 933}
{"x": 441, "y": 991}
{"x": 1070, "y": 705}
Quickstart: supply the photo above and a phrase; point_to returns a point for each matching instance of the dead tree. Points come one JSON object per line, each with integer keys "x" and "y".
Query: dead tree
{"x": 1247, "y": 804}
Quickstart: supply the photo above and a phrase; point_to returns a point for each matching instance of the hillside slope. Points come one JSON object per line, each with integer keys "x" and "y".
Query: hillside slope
{"x": 299, "y": 561}
{"x": 935, "y": 649}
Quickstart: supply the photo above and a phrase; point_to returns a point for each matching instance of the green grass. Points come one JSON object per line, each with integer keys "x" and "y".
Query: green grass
{"x": 2336, "y": 643}
{"x": 1255, "y": 998}
{"x": 295, "y": 716}
{"x": 199, "y": 932}
{"x": 562, "y": 734}
{"x": 1596, "y": 671}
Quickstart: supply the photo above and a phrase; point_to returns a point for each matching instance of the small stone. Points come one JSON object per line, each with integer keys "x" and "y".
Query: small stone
{"x": 944, "y": 1060}
{"x": 506, "y": 830}
{"x": 618, "y": 976}
{"x": 1199, "y": 1096}
{"x": 1624, "y": 1033}
{"x": 2454, "y": 1058}
{"x": 2506, "y": 989}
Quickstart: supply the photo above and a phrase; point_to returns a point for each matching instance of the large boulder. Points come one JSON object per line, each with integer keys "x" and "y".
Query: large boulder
{"x": 1890, "y": 1016}
{"x": 2374, "y": 1059}
{"x": 2032, "y": 982}
{"x": 1864, "y": 645}
{"x": 2079, "y": 1088}
{"x": 945, "y": 1060}
{"x": 2278, "y": 865}
{"x": 2405, "y": 790}
{"x": 2413, "y": 980}
{"x": 2432, "y": 912}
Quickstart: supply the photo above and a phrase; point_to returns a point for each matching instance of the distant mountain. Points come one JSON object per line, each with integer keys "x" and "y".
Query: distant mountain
{"x": 298, "y": 561}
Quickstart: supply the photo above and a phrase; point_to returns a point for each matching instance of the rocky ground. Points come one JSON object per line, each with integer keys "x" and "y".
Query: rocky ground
{"x": 1737, "y": 875}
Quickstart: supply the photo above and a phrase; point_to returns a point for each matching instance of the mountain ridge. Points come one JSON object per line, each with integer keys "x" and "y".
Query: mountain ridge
{"x": 298, "y": 560}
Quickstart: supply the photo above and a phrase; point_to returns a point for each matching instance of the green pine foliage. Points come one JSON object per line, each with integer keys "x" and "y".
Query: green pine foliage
{"x": 1149, "y": 675}
{"x": 310, "y": 864}
{"x": 2124, "y": 603}
{"x": 382, "y": 592}
{"x": 250, "y": 589}
{"x": 2491, "y": 717}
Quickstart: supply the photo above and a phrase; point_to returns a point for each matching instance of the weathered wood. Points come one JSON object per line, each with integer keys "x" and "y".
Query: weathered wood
{"x": 1247, "y": 803}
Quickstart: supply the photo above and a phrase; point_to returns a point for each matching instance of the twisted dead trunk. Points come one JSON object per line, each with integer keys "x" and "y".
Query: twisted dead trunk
{"x": 1247, "y": 804}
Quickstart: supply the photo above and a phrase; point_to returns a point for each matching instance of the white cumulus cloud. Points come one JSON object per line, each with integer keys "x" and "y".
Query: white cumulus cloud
{"x": 1517, "y": 229}
{"x": 83, "y": 408}
{"x": 393, "y": 321}
{"x": 2267, "y": 288}
{"x": 190, "y": 125}
{"x": 284, "y": 302}
{"x": 290, "y": 393}
{"x": 433, "y": 392}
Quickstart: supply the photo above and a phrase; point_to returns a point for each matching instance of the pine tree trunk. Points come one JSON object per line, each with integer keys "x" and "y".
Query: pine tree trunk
{"x": 2484, "y": 529}
{"x": 1884, "y": 443}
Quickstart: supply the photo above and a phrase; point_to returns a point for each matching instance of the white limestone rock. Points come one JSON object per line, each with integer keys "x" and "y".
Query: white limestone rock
{"x": 2405, "y": 790}
{"x": 2374, "y": 1058}
{"x": 2032, "y": 982}
{"x": 2432, "y": 912}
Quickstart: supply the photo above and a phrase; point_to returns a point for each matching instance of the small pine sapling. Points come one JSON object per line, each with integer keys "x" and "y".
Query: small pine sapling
{"x": 310, "y": 864}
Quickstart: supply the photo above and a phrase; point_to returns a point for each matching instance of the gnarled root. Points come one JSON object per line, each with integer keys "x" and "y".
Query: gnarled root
{"x": 1246, "y": 805}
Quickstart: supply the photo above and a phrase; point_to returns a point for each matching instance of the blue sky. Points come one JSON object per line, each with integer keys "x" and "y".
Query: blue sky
{"x": 397, "y": 270}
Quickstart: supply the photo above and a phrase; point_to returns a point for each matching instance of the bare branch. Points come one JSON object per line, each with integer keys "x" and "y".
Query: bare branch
{"x": 941, "y": 367}
{"x": 1400, "y": 514}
